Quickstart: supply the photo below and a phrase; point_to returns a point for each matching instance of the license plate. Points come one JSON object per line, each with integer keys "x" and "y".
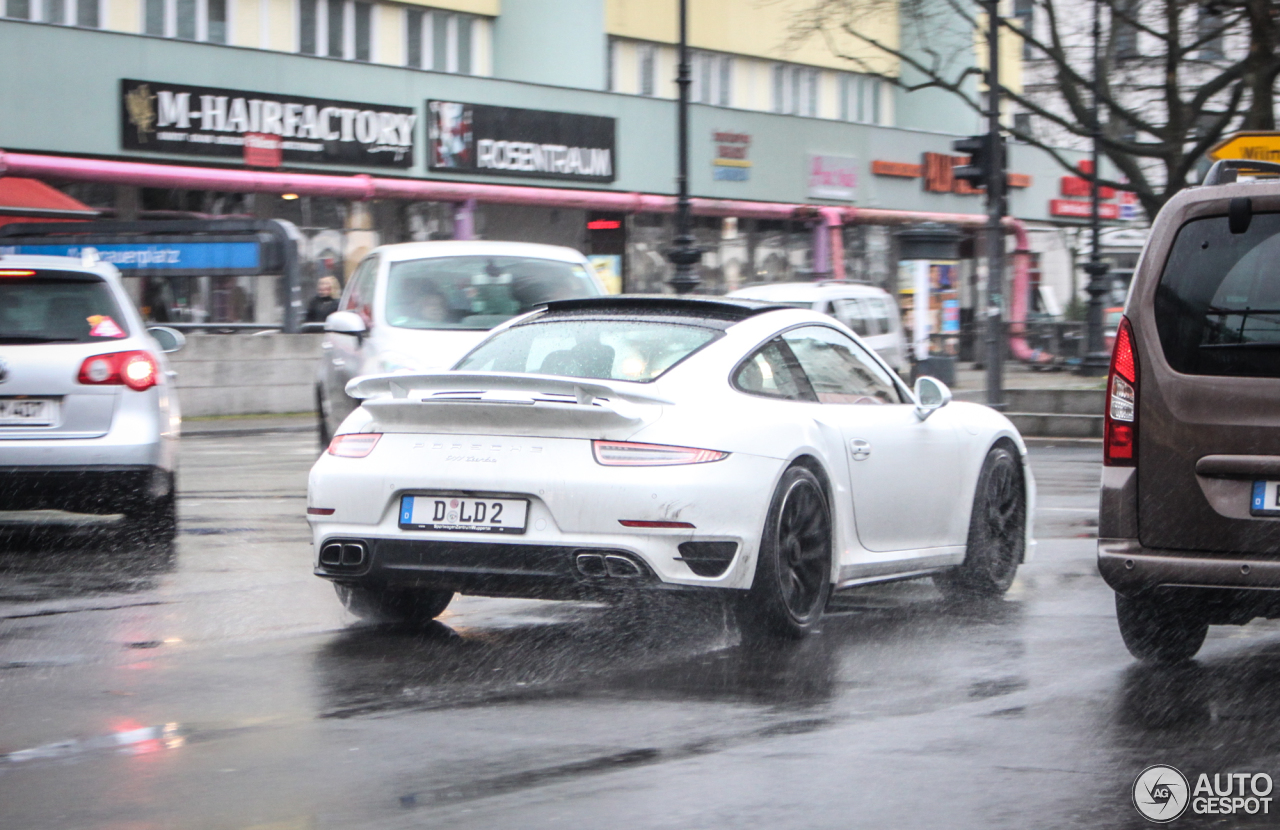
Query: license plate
{"x": 28, "y": 412}
{"x": 465, "y": 513}
{"x": 1266, "y": 498}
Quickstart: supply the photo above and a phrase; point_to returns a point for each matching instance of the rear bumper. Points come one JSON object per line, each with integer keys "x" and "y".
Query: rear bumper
{"x": 1130, "y": 569}
{"x": 98, "y": 489}
{"x": 485, "y": 569}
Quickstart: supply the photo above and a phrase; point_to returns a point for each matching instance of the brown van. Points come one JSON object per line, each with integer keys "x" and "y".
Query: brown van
{"x": 1189, "y": 526}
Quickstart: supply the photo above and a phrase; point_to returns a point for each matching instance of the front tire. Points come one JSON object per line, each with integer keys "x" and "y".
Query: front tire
{"x": 415, "y": 606}
{"x": 1162, "y": 632}
{"x": 793, "y": 570}
{"x": 997, "y": 531}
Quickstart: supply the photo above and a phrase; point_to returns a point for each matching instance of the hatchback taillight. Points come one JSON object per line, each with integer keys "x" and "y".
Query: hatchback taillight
{"x": 1120, "y": 440}
{"x": 354, "y": 445}
{"x": 137, "y": 370}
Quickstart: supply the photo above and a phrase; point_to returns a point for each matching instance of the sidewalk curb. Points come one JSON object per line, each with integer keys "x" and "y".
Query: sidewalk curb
{"x": 198, "y": 431}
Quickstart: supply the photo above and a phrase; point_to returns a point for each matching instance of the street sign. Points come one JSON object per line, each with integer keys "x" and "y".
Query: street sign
{"x": 1251, "y": 145}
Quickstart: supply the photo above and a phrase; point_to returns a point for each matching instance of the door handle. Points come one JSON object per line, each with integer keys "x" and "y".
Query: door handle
{"x": 326, "y": 346}
{"x": 859, "y": 449}
{"x": 337, "y": 361}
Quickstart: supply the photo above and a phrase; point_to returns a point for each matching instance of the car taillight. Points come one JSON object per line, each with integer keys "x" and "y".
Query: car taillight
{"x": 628, "y": 454}
{"x": 1120, "y": 441}
{"x": 137, "y": 370}
{"x": 355, "y": 445}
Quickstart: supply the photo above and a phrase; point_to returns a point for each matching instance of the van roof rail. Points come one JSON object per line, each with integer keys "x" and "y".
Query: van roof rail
{"x": 1226, "y": 170}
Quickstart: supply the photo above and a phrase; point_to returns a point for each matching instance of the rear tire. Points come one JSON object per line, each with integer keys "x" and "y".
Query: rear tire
{"x": 394, "y": 605}
{"x": 997, "y": 531}
{"x": 154, "y": 526}
{"x": 793, "y": 570}
{"x": 1162, "y": 632}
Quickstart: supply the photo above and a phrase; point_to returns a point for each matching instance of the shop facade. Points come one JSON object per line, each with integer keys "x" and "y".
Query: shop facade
{"x": 763, "y": 179}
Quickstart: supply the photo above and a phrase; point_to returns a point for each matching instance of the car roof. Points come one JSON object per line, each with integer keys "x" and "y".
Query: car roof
{"x": 808, "y": 291}
{"x": 721, "y": 308}
{"x": 478, "y": 247}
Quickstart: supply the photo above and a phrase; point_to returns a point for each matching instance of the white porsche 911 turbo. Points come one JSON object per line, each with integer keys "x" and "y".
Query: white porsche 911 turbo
{"x": 611, "y": 444}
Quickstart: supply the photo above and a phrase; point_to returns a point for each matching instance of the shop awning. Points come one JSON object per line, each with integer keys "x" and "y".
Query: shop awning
{"x": 31, "y": 200}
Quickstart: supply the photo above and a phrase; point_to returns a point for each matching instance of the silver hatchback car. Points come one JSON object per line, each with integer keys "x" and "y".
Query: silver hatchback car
{"x": 88, "y": 419}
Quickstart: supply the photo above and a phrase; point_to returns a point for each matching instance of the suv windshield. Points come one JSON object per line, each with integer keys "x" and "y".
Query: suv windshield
{"x": 58, "y": 307}
{"x": 1218, "y": 302}
{"x": 605, "y": 349}
{"x": 478, "y": 292}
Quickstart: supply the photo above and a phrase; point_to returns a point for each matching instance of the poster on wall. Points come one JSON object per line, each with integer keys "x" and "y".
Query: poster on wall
{"x": 508, "y": 141}
{"x": 208, "y": 121}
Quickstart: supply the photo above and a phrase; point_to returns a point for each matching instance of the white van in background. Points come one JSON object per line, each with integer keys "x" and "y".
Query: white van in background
{"x": 871, "y": 312}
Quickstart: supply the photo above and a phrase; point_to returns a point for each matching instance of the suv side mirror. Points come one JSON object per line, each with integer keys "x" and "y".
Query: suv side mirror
{"x": 346, "y": 322}
{"x": 169, "y": 340}
{"x": 931, "y": 395}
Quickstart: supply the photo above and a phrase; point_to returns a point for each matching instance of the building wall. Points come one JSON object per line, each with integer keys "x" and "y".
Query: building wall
{"x": 751, "y": 29}
{"x": 558, "y": 42}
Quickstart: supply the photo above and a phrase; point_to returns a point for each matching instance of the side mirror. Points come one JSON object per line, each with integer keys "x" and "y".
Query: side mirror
{"x": 931, "y": 395}
{"x": 346, "y": 322}
{"x": 169, "y": 340}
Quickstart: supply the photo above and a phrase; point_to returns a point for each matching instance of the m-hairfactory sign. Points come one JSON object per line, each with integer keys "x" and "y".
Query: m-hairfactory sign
{"x": 507, "y": 141}
{"x": 205, "y": 121}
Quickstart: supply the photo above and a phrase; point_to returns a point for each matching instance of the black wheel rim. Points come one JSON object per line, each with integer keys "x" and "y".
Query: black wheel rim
{"x": 804, "y": 548}
{"x": 1003, "y": 517}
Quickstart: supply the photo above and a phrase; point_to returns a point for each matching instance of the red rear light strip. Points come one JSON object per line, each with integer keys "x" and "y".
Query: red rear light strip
{"x": 643, "y": 523}
{"x": 1120, "y": 437}
{"x": 320, "y": 511}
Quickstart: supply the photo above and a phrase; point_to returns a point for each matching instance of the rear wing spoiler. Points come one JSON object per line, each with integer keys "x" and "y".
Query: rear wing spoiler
{"x": 459, "y": 386}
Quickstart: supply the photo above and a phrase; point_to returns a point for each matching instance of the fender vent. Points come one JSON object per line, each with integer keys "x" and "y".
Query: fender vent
{"x": 707, "y": 558}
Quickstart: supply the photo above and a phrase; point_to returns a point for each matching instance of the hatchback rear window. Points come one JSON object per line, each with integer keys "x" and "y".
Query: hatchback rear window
{"x": 619, "y": 349}
{"x": 478, "y": 292}
{"x": 58, "y": 307}
{"x": 1218, "y": 302}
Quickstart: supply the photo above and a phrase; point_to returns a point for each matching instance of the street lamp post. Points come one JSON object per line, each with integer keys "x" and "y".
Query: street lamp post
{"x": 995, "y": 215}
{"x": 1096, "y": 361}
{"x": 683, "y": 254}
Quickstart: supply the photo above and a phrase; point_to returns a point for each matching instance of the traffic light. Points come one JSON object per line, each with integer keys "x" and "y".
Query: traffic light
{"x": 981, "y": 158}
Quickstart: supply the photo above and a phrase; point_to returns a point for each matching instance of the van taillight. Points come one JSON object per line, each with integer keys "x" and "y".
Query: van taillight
{"x": 1120, "y": 441}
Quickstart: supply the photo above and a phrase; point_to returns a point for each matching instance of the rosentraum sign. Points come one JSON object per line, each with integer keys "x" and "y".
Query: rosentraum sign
{"x": 206, "y": 121}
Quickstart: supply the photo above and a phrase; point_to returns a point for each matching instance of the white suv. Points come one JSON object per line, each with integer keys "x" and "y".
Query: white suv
{"x": 869, "y": 311}
{"x": 418, "y": 306}
{"x": 88, "y": 420}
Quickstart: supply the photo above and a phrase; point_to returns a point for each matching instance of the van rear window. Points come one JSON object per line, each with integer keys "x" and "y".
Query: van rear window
{"x": 1218, "y": 302}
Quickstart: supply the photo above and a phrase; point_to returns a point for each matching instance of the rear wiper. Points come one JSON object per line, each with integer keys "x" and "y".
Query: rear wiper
{"x": 16, "y": 339}
{"x": 1257, "y": 344}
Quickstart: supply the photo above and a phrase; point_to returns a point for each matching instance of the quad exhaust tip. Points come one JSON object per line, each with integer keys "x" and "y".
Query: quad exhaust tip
{"x": 343, "y": 554}
{"x": 608, "y": 566}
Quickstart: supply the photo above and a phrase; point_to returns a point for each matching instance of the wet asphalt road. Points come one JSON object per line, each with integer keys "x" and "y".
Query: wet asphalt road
{"x": 226, "y": 688}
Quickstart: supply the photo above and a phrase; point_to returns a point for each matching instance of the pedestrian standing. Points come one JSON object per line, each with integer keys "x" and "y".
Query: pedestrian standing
{"x": 325, "y": 302}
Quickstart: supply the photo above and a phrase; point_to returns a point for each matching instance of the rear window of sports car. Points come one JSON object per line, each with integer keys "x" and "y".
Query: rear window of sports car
{"x": 605, "y": 349}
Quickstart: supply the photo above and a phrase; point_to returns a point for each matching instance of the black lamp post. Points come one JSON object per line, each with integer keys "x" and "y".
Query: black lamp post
{"x": 995, "y": 215}
{"x": 683, "y": 254}
{"x": 1096, "y": 361}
